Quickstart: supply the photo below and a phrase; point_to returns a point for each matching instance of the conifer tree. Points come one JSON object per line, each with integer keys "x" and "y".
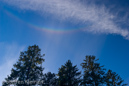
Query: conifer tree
{"x": 49, "y": 79}
{"x": 93, "y": 72}
{"x": 28, "y": 69}
{"x": 69, "y": 75}
{"x": 113, "y": 79}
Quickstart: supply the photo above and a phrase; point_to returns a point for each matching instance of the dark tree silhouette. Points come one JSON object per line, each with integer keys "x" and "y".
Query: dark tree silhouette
{"x": 27, "y": 68}
{"x": 113, "y": 79}
{"x": 93, "y": 72}
{"x": 69, "y": 75}
{"x": 49, "y": 79}
{"x": 28, "y": 71}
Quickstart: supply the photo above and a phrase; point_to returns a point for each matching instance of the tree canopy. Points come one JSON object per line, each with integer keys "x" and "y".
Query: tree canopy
{"x": 69, "y": 75}
{"x": 28, "y": 67}
{"x": 49, "y": 79}
{"x": 93, "y": 72}
{"x": 28, "y": 71}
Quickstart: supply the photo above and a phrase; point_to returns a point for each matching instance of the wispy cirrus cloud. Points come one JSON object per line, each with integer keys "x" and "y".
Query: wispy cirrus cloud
{"x": 97, "y": 19}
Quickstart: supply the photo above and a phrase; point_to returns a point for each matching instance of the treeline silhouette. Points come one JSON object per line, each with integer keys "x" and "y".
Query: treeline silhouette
{"x": 28, "y": 71}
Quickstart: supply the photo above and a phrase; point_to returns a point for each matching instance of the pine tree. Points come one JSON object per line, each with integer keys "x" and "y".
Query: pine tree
{"x": 49, "y": 79}
{"x": 113, "y": 79}
{"x": 93, "y": 72}
{"x": 28, "y": 68}
{"x": 69, "y": 75}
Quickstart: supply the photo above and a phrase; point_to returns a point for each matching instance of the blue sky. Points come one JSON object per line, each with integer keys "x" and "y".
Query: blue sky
{"x": 66, "y": 29}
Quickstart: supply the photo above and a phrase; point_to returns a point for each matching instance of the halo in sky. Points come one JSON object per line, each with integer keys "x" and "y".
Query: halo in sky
{"x": 100, "y": 19}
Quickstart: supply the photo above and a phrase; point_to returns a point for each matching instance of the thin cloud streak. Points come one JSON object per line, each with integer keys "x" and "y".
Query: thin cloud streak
{"x": 96, "y": 19}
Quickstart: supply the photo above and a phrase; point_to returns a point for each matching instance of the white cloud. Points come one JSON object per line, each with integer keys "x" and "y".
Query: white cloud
{"x": 96, "y": 19}
{"x": 11, "y": 54}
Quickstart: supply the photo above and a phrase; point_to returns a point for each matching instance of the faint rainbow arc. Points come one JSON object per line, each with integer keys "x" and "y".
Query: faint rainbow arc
{"x": 48, "y": 30}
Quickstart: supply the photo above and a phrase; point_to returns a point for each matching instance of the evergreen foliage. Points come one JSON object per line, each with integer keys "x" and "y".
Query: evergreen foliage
{"x": 49, "y": 79}
{"x": 93, "y": 72}
{"x": 29, "y": 68}
{"x": 69, "y": 75}
{"x": 113, "y": 79}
